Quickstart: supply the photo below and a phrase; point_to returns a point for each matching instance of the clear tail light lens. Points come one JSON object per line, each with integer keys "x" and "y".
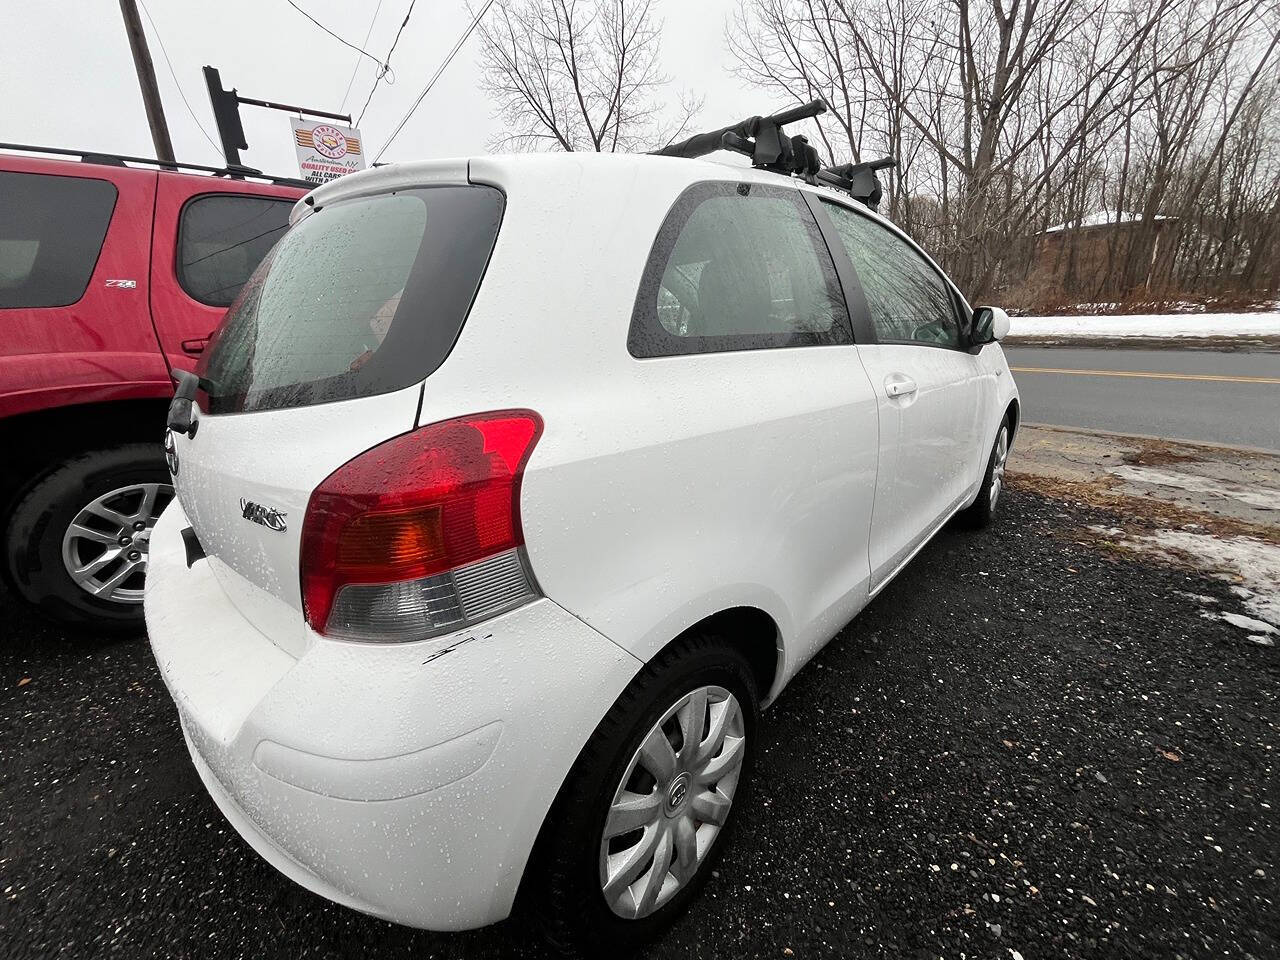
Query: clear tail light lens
{"x": 421, "y": 534}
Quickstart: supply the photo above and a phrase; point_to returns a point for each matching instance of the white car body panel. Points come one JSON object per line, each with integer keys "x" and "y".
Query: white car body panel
{"x": 720, "y": 498}
{"x": 275, "y": 458}
{"x": 929, "y": 444}
{"x": 662, "y": 491}
{"x": 409, "y": 790}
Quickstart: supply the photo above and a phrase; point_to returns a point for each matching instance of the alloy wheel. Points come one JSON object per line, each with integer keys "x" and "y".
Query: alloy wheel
{"x": 673, "y": 800}
{"x": 997, "y": 466}
{"x": 105, "y": 547}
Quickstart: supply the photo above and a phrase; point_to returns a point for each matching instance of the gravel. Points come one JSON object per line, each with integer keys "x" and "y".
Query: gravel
{"x": 1026, "y": 747}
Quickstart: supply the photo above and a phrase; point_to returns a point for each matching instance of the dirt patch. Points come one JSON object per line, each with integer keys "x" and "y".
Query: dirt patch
{"x": 1152, "y": 481}
{"x": 1160, "y": 453}
{"x": 1213, "y": 510}
{"x": 1145, "y": 514}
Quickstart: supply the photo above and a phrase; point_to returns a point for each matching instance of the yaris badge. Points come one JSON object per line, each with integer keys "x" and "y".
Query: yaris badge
{"x": 269, "y": 517}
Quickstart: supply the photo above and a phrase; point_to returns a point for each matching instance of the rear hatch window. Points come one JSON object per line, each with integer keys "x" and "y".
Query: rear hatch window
{"x": 362, "y": 297}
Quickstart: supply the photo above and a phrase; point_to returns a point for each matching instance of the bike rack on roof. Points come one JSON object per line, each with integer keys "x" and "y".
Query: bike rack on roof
{"x": 120, "y": 160}
{"x": 762, "y": 139}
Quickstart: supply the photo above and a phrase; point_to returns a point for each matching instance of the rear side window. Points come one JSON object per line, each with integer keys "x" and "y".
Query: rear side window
{"x": 737, "y": 267}
{"x": 362, "y": 297}
{"x": 51, "y": 232}
{"x": 908, "y": 299}
{"x": 222, "y": 238}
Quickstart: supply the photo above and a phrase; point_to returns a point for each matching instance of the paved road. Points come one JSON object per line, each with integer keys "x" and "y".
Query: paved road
{"x": 1211, "y": 396}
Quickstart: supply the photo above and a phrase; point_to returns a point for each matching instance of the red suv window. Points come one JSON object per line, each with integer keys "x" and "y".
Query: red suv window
{"x": 222, "y": 238}
{"x": 51, "y": 232}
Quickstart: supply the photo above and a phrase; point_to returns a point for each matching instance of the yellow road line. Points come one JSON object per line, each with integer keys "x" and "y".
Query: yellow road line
{"x": 1153, "y": 376}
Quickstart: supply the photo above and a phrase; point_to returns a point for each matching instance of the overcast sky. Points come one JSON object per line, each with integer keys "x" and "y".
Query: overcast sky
{"x": 66, "y": 77}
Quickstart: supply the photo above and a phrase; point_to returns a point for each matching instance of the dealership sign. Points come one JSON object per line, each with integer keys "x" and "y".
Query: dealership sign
{"x": 326, "y": 151}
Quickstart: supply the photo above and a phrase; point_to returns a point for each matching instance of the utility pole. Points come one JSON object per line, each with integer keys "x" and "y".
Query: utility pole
{"x": 147, "y": 81}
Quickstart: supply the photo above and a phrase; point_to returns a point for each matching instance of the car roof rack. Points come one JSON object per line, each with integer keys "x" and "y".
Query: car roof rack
{"x": 762, "y": 139}
{"x": 121, "y": 160}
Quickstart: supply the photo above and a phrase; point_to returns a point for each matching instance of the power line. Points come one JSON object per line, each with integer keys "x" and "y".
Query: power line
{"x": 386, "y": 64}
{"x": 332, "y": 34}
{"x": 173, "y": 73}
{"x": 436, "y": 76}
{"x": 356, "y": 69}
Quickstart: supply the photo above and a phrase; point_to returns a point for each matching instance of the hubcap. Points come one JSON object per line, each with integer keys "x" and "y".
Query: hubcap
{"x": 672, "y": 802}
{"x": 105, "y": 547}
{"x": 997, "y": 466}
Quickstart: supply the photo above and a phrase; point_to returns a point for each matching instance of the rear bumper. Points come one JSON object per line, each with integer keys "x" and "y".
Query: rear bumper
{"x": 402, "y": 784}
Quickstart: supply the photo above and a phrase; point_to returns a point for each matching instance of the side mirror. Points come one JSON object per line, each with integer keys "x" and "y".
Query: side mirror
{"x": 989, "y": 324}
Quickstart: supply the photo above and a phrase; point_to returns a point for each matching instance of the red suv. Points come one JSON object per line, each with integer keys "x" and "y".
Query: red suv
{"x": 110, "y": 275}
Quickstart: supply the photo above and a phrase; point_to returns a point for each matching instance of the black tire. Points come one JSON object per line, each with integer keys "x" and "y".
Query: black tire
{"x": 33, "y": 538}
{"x": 562, "y": 887}
{"x": 983, "y": 510}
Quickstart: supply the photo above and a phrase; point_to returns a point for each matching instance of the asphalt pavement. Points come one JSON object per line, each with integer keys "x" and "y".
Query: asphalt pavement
{"x": 1230, "y": 398}
{"x": 1027, "y": 746}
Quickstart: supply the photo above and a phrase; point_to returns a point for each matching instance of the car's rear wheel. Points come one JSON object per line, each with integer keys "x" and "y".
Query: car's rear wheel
{"x": 631, "y": 837}
{"x": 983, "y": 510}
{"x": 77, "y": 543}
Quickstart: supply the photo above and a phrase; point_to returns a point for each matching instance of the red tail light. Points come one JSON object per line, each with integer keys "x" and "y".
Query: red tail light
{"x": 419, "y": 535}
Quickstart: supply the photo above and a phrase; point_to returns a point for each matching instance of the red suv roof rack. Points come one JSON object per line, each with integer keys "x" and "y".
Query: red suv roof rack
{"x": 120, "y": 160}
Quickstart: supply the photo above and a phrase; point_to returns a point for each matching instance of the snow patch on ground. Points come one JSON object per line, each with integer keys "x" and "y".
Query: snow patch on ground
{"x": 1260, "y": 632}
{"x": 1150, "y": 325}
{"x": 1194, "y": 483}
{"x": 1265, "y": 635}
{"x": 1254, "y": 562}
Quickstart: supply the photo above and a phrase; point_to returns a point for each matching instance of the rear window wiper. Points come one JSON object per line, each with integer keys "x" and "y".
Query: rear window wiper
{"x": 182, "y": 406}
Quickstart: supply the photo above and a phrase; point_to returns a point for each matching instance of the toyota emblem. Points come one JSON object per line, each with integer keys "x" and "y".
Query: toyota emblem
{"x": 170, "y": 452}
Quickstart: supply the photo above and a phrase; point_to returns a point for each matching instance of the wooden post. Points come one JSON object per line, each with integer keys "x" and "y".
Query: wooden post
{"x": 147, "y": 81}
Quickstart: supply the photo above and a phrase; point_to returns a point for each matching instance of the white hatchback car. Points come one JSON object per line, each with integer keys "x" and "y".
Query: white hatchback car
{"x": 516, "y": 486}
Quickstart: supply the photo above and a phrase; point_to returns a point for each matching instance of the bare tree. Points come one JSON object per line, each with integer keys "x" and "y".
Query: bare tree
{"x": 1008, "y": 117}
{"x": 579, "y": 75}
{"x": 973, "y": 87}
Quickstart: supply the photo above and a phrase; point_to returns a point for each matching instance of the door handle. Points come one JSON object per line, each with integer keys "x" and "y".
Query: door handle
{"x": 897, "y": 385}
{"x": 195, "y": 346}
